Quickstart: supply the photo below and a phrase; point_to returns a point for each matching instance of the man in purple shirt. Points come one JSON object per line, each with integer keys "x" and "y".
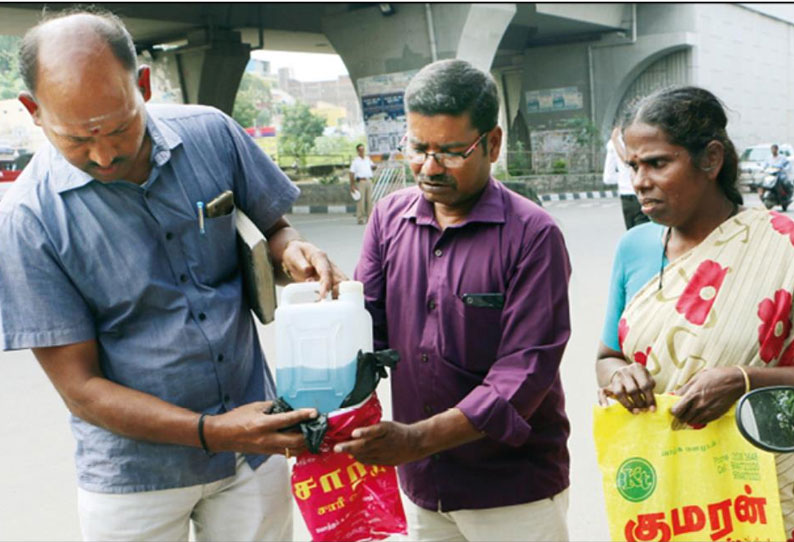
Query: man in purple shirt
{"x": 468, "y": 282}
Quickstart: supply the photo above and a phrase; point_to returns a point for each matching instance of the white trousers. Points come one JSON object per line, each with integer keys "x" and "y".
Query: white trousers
{"x": 251, "y": 505}
{"x": 543, "y": 520}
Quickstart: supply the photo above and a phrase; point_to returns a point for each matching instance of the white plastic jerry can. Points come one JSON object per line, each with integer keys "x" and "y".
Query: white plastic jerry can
{"x": 317, "y": 344}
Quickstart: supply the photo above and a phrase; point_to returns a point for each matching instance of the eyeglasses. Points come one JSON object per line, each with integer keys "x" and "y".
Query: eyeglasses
{"x": 447, "y": 160}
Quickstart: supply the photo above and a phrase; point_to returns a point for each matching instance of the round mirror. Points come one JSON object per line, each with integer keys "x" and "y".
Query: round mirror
{"x": 766, "y": 418}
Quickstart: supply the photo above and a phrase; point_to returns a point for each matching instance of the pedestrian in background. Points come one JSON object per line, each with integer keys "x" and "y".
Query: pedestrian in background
{"x": 468, "y": 281}
{"x": 131, "y": 297}
{"x": 361, "y": 181}
{"x": 617, "y": 172}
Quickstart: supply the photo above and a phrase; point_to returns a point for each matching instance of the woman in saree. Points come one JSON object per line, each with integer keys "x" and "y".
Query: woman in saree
{"x": 700, "y": 302}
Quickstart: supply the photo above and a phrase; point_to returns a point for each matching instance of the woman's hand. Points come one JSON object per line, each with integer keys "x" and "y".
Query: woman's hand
{"x": 708, "y": 395}
{"x": 632, "y": 386}
{"x": 627, "y": 382}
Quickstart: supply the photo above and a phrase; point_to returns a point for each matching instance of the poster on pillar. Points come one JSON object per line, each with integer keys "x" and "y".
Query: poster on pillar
{"x": 383, "y": 109}
{"x": 553, "y": 99}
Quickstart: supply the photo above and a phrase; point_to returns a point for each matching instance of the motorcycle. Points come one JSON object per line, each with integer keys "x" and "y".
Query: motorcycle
{"x": 775, "y": 188}
{"x": 765, "y": 418}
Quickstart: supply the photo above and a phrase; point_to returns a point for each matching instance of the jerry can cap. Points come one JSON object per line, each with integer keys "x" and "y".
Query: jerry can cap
{"x": 351, "y": 287}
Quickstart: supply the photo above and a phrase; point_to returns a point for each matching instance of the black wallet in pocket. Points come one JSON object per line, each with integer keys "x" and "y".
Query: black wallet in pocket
{"x": 490, "y": 301}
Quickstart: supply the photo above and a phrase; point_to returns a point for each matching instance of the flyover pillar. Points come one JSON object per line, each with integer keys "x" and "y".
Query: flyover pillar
{"x": 371, "y": 43}
{"x": 211, "y": 66}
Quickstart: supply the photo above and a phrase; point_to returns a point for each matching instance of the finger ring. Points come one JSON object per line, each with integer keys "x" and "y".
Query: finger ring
{"x": 286, "y": 452}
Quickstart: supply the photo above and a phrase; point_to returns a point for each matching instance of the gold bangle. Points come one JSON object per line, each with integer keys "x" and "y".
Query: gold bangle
{"x": 746, "y": 379}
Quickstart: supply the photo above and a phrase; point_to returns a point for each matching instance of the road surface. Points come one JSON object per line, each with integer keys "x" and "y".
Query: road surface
{"x": 37, "y": 478}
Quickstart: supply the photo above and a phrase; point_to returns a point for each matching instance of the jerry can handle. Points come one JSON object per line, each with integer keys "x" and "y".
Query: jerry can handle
{"x": 298, "y": 289}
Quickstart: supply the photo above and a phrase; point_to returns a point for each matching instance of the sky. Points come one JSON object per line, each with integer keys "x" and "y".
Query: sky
{"x": 305, "y": 66}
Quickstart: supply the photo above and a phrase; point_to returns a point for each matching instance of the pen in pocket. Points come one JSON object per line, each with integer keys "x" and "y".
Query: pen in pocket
{"x": 200, "y": 206}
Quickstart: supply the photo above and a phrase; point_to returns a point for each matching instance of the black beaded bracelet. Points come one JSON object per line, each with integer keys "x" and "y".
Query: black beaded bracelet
{"x": 201, "y": 434}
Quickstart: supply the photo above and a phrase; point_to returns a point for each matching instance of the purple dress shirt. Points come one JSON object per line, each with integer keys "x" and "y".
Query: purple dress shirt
{"x": 500, "y": 367}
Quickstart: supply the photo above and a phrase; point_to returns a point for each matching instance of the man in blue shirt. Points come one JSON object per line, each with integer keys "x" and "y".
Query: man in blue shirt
{"x": 134, "y": 307}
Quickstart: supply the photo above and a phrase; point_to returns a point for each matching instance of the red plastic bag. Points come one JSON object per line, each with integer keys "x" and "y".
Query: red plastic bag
{"x": 342, "y": 499}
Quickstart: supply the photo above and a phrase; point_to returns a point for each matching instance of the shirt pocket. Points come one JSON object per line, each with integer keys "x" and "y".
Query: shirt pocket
{"x": 218, "y": 249}
{"x": 481, "y": 329}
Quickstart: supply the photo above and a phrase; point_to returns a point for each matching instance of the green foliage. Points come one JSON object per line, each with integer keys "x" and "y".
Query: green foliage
{"x": 10, "y": 79}
{"x": 518, "y": 160}
{"x": 289, "y": 161}
{"x": 785, "y": 415}
{"x": 331, "y": 178}
{"x": 499, "y": 172}
{"x": 299, "y": 130}
{"x": 525, "y": 189}
{"x": 585, "y": 132}
{"x": 337, "y": 144}
{"x": 244, "y": 112}
{"x": 773, "y": 411}
{"x": 254, "y": 102}
{"x": 559, "y": 165}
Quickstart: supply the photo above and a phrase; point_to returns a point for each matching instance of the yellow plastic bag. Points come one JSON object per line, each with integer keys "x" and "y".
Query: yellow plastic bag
{"x": 686, "y": 484}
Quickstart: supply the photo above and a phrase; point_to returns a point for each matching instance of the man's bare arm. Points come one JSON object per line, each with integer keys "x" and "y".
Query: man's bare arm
{"x": 76, "y": 374}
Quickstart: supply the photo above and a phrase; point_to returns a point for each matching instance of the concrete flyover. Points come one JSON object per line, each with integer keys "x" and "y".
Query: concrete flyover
{"x": 206, "y": 44}
{"x": 557, "y": 66}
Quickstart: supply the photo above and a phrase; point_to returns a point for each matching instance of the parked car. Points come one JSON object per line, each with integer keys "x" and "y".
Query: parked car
{"x": 751, "y": 163}
{"x": 12, "y": 162}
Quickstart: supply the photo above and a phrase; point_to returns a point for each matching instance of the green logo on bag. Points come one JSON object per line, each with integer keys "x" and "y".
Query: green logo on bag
{"x": 636, "y": 479}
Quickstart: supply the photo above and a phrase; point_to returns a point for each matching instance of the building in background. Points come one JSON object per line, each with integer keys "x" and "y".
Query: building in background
{"x": 259, "y": 67}
{"x": 335, "y": 100}
{"x": 552, "y": 88}
{"x": 338, "y": 92}
{"x": 336, "y": 117}
{"x": 565, "y": 71}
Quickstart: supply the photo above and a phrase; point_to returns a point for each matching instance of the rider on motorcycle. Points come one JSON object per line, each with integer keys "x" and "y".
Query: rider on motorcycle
{"x": 776, "y": 160}
{"x": 776, "y": 189}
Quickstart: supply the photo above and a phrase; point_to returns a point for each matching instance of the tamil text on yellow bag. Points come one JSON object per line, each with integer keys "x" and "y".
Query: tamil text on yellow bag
{"x": 684, "y": 484}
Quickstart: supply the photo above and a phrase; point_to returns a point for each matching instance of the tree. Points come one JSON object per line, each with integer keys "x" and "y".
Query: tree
{"x": 244, "y": 111}
{"x": 299, "y": 130}
{"x": 337, "y": 144}
{"x": 253, "y": 103}
{"x": 10, "y": 80}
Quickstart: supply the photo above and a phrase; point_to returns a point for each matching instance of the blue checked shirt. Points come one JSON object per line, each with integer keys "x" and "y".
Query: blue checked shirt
{"x": 126, "y": 265}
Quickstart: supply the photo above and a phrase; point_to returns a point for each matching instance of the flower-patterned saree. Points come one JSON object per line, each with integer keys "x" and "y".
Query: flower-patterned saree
{"x": 726, "y": 302}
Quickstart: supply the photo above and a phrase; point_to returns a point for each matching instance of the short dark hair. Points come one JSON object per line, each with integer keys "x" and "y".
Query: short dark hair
{"x": 107, "y": 26}
{"x": 454, "y": 87}
{"x": 692, "y": 117}
{"x": 360, "y": 146}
